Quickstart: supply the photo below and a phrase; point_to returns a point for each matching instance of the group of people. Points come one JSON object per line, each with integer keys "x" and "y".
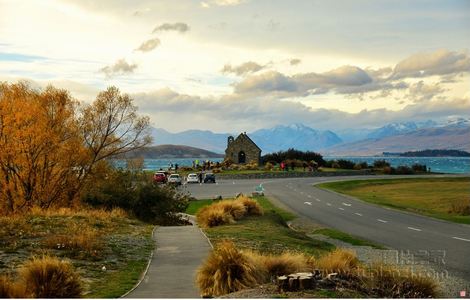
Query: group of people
{"x": 206, "y": 165}
{"x": 285, "y": 166}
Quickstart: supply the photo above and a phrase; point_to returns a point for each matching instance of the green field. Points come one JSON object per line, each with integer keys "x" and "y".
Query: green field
{"x": 443, "y": 198}
{"x": 268, "y": 233}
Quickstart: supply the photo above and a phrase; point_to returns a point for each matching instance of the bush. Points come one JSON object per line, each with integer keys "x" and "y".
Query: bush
{"x": 227, "y": 270}
{"x": 280, "y": 156}
{"x": 361, "y": 166}
{"x": 390, "y": 282}
{"x": 345, "y": 164}
{"x": 49, "y": 277}
{"x": 405, "y": 170}
{"x": 419, "y": 168}
{"x": 137, "y": 194}
{"x": 234, "y": 208}
{"x": 381, "y": 163}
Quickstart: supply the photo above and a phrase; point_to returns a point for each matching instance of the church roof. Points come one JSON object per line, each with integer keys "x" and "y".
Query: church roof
{"x": 243, "y": 134}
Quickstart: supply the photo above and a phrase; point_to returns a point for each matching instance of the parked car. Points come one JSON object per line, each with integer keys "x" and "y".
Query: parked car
{"x": 174, "y": 179}
{"x": 192, "y": 178}
{"x": 159, "y": 177}
{"x": 209, "y": 177}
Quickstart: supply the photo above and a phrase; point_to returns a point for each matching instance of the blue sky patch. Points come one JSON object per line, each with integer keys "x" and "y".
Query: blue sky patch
{"x": 5, "y": 56}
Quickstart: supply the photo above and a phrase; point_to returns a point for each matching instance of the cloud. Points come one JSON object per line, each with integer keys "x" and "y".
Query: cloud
{"x": 249, "y": 113}
{"x": 267, "y": 82}
{"x": 345, "y": 79}
{"x": 294, "y": 61}
{"x": 179, "y": 27}
{"x": 421, "y": 91}
{"x": 120, "y": 67}
{"x": 440, "y": 62}
{"x": 207, "y": 4}
{"x": 149, "y": 45}
{"x": 243, "y": 69}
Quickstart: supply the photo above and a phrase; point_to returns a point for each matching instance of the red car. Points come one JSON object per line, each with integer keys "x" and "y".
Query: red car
{"x": 159, "y": 177}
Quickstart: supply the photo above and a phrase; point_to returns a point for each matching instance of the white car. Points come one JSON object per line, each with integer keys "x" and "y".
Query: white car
{"x": 192, "y": 178}
{"x": 174, "y": 179}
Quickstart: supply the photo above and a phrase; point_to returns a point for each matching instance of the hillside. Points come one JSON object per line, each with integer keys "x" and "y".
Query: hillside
{"x": 172, "y": 151}
{"x": 429, "y": 138}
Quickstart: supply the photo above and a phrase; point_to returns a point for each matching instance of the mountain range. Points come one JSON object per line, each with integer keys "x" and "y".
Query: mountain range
{"x": 394, "y": 137}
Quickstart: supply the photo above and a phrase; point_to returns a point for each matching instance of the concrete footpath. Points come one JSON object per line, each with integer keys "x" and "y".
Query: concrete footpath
{"x": 180, "y": 250}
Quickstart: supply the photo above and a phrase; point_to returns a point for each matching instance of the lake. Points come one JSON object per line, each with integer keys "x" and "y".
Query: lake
{"x": 455, "y": 165}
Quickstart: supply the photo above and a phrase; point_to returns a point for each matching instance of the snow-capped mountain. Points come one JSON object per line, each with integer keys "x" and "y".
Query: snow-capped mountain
{"x": 296, "y": 136}
{"x": 392, "y": 129}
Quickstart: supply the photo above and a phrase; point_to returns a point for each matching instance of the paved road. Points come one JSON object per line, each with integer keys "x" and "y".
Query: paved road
{"x": 171, "y": 274}
{"x": 443, "y": 242}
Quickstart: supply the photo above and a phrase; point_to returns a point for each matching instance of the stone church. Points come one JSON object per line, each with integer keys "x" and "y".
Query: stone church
{"x": 242, "y": 150}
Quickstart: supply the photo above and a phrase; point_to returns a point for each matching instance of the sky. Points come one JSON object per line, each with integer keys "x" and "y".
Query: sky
{"x": 242, "y": 65}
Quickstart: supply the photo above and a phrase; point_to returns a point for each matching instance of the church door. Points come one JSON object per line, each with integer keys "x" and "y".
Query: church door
{"x": 241, "y": 157}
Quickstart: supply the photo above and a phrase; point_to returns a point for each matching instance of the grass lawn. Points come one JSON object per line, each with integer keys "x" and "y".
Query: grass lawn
{"x": 89, "y": 239}
{"x": 268, "y": 233}
{"x": 443, "y": 198}
{"x": 342, "y": 236}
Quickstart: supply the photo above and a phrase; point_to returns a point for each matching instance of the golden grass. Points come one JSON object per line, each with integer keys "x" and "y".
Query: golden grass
{"x": 83, "y": 238}
{"x": 49, "y": 277}
{"x": 10, "y": 289}
{"x": 227, "y": 211}
{"x": 252, "y": 206}
{"x": 211, "y": 216}
{"x": 94, "y": 213}
{"x": 285, "y": 264}
{"x": 227, "y": 270}
{"x": 338, "y": 261}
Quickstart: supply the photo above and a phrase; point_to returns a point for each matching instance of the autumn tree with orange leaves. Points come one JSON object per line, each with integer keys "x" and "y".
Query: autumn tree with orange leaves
{"x": 50, "y": 144}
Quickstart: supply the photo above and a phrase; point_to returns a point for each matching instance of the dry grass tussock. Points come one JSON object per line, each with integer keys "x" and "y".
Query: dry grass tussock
{"x": 49, "y": 277}
{"x": 286, "y": 263}
{"x": 44, "y": 277}
{"x": 228, "y": 269}
{"x": 339, "y": 261}
{"x": 227, "y": 211}
{"x": 10, "y": 289}
{"x": 461, "y": 208}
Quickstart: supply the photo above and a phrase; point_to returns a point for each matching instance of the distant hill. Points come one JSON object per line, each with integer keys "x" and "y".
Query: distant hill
{"x": 204, "y": 139}
{"x": 436, "y": 153}
{"x": 172, "y": 151}
{"x": 449, "y": 137}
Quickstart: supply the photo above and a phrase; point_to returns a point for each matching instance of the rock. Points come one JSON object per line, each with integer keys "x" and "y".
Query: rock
{"x": 218, "y": 197}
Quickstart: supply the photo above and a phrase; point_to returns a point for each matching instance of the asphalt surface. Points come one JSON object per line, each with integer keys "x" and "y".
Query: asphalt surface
{"x": 171, "y": 274}
{"x": 417, "y": 239}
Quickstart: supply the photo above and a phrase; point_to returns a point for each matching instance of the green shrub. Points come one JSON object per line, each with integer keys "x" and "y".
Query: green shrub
{"x": 381, "y": 163}
{"x": 137, "y": 194}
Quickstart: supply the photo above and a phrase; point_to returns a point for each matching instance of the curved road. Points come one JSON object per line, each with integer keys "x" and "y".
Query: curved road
{"x": 418, "y": 239}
